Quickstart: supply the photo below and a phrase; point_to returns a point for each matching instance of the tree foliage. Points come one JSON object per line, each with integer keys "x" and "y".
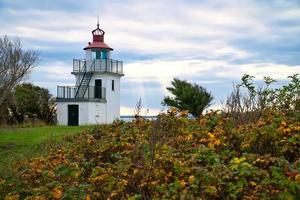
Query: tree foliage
{"x": 15, "y": 64}
{"x": 187, "y": 96}
{"x": 33, "y": 101}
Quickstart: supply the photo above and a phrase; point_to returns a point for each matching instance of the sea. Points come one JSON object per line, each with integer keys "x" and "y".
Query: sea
{"x": 129, "y": 118}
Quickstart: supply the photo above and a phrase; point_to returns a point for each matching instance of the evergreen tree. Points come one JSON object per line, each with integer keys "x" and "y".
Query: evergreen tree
{"x": 187, "y": 96}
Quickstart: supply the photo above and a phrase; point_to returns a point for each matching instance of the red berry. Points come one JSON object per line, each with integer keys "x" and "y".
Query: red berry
{"x": 289, "y": 173}
{"x": 193, "y": 145}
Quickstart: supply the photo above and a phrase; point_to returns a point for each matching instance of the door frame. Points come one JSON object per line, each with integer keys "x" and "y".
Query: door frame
{"x": 74, "y": 122}
{"x": 97, "y": 93}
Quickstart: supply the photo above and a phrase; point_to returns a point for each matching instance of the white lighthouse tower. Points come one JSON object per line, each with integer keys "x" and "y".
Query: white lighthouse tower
{"x": 95, "y": 98}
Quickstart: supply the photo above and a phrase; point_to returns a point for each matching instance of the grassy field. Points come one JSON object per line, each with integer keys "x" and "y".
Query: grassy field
{"x": 17, "y": 143}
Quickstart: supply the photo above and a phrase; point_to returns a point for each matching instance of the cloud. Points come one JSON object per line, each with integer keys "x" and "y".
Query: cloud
{"x": 55, "y": 71}
{"x": 212, "y": 43}
{"x": 164, "y": 70}
{"x": 206, "y": 28}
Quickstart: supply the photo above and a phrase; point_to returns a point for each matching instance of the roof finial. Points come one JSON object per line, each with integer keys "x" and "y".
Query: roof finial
{"x": 98, "y": 21}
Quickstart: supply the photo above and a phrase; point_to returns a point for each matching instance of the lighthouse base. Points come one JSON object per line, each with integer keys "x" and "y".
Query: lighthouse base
{"x": 84, "y": 113}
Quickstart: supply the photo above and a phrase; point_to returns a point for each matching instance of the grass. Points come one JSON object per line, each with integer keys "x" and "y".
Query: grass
{"x": 16, "y": 143}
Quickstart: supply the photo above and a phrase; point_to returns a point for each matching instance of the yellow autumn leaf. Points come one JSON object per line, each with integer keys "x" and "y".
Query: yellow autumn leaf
{"x": 189, "y": 137}
{"x": 297, "y": 178}
{"x": 57, "y": 193}
{"x": 217, "y": 142}
{"x": 123, "y": 182}
{"x": 87, "y": 197}
{"x": 210, "y": 135}
{"x": 2, "y": 181}
{"x": 191, "y": 179}
{"x": 283, "y": 123}
{"x": 169, "y": 174}
{"x": 135, "y": 171}
{"x": 287, "y": 130}
{"x": 182, "y": 183}
{"x": 12, "y": 197}
{"x": 253, "y": 183}
{"x": 211, "y": 189}
{"x": 296, "y": 128}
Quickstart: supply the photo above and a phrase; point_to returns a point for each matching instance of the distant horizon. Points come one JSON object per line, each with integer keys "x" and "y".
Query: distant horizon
{"x": 140, "y": 116}
{"x": 210, "y": 43}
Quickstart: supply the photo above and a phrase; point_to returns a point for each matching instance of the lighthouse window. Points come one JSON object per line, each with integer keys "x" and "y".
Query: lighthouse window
{"x": 103, "y": 55}
{"x": 98, "y": 53}
{"x": 113, "y": 85}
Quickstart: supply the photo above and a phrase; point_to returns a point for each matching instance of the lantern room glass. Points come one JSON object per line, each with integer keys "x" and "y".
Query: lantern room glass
{"x": 100, "y": 54}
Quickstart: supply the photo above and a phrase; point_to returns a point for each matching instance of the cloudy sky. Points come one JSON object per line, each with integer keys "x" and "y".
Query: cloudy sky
{"x": 211, "y": 43}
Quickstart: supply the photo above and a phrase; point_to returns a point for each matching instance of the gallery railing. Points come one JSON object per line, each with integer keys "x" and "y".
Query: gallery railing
{"x": 97, "y": 65}
{"x": 68, "y": 92}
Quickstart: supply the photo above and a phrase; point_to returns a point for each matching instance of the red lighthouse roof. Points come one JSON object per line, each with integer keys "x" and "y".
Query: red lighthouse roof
{"x": 98, "y": 40}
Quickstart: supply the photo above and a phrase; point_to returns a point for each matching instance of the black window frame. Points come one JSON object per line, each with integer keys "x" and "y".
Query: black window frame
{"x": 112, "y": 85}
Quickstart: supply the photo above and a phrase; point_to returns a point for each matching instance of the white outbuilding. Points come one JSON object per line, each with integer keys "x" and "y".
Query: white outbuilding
{"x": 95, "y": 98}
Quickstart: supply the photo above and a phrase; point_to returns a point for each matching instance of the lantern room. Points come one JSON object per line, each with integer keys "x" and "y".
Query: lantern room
{"x": 98, "y": 49}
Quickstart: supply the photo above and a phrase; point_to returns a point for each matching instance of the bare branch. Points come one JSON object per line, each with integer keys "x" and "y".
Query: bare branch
{"x": 15, "y": 64}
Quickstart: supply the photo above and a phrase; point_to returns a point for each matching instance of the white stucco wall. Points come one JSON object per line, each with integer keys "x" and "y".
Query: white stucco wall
{"x": 95, "y": 112}
{"x": 62, "y": 113}
{"x": 112, "y": 97}
{"x": 89, "y": 113}
{"x": 88, "y": 54}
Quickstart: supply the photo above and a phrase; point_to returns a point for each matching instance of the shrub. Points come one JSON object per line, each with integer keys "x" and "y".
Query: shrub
{"x": 247, "y": 102}
{"x": 171, "y": 158}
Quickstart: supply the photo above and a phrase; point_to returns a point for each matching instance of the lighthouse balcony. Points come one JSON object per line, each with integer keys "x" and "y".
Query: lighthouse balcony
{"x": 98, "y": 65}
{"x": 73, "y": 93}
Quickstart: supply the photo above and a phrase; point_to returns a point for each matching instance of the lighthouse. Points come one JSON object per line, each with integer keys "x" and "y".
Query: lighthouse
{"x": 95, "y": 98}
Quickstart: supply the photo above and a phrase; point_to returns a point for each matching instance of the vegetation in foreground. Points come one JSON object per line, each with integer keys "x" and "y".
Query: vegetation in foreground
{"x": 171, "y": 158}
{"x": 23, "y": 142}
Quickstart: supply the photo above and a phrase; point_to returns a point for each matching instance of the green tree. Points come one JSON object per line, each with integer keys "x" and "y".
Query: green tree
{"x": 15, "y": 64}
{"x": 187, "y": 96}
{"x": 34, "y": 101}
